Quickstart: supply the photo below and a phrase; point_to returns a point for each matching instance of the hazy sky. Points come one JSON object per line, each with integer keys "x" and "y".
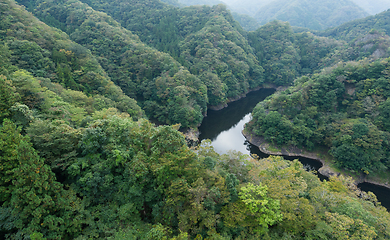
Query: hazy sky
{"x": 228, "y": 1}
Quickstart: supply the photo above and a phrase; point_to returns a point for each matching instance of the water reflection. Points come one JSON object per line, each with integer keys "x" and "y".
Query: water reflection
{"x": 230, "y": 121}
{"x": 224, "y": 128}
{"x": 231, "y": 139}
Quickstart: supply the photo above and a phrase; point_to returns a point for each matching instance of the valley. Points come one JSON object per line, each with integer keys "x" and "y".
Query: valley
{"x": 82, "y": 84}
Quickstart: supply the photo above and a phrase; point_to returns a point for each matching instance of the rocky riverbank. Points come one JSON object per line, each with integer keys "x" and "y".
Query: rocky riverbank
{"x": 292, "y": 151}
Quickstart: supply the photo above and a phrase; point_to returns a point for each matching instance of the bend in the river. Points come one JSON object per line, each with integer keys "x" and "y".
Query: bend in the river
{"x": 224, "y": 128}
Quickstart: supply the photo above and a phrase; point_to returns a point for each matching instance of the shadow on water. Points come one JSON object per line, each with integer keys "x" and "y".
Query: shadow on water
{"x": 382, "y": 193}
{"x": 308, "y": 163}
{"x": 222, "y": 120}
{"x": 224, "y": 128}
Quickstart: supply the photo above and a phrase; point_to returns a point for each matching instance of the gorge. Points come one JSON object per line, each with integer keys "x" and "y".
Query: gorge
{"x": 224, "y": 129}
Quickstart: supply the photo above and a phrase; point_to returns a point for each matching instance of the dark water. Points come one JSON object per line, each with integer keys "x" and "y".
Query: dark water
{"x": 224, "y": 128}
{"x": 382, "y": 193}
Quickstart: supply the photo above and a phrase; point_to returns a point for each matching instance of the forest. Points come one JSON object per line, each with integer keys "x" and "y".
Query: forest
{"x": 95, "y": 97}
{"x": 344, "y": 108}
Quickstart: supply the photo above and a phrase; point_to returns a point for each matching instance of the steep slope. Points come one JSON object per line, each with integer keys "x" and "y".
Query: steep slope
{"x": 207, "y": 41}
{"x": 286, "y": 55}
{"x": 74, "y": 167}
{"x": 342, "y": 109}
{"x": 218, "y": 52}
{"x": 173, "y": 3}
{"x": 360, "y": 27}
{"x": 189, "y": 31}
{"x": 166, "y": 91}
{"x": 49, "y": 53}
{"x": 312, "y": 14}
{"x": 182, "y": 25}
{"x": 247, "y": 22}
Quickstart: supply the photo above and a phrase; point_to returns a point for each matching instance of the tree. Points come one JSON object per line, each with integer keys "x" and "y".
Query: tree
{"x": 265, "y": 209}
{"x": 8, "y": 97}
{"x": 384, "y": 115}
{"x": 10, "y": 139}
{"x": 254, "y": 209}
{"x": 40, "y": 202}
{"x": 348, "y": 228}
{"x": 55, "y": 141}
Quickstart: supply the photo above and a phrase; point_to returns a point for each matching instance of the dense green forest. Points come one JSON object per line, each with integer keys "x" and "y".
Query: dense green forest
{"x": 211, "y": 45}
{"x": 164, "y": 89}
{"x": 28, "y": 44}
{"x": 79, "y": 158}
{"x": 358, "y": 28}
{"x": 206, "y": 40}
{"x": 343, "y": 108}
{"x": 200, "y": 2}
{"x": 247, "y": 22}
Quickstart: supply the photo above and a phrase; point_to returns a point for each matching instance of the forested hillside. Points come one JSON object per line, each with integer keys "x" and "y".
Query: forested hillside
{"x": 285, "y": 55}
{"x": 79, "y": 159}
{"x": 211, "y": 45}
{"x": 358, "y": 28}
{"x": 165, "y": 90}
{"x": 247, "y": 22}
{"x": 343, "y": 108}
{"x": 204, "y": 39}
{"x": 28, "y": 44}
{"x": 312, "y": 14}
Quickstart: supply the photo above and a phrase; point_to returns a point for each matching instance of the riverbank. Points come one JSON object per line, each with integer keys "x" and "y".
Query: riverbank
{"x": 326, "y": 169}
{"x": 192, "y": 134}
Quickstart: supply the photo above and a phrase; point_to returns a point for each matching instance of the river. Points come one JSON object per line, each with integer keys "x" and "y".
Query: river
{"x": 224, "y": 128}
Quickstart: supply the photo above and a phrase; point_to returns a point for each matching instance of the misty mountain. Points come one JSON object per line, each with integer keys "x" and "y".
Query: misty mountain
{"x": 313, "y": 14}
{"x": 373, "y": 7}
{"x": 249, "y": 7}
{"x": 360, "y": 27}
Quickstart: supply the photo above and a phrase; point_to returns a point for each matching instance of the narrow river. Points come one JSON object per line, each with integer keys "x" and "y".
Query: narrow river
{"x": 224, "y": 128}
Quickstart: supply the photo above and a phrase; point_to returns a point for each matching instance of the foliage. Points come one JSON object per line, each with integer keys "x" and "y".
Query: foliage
{"x": 342, "y": 108}
{"x": 47, "y": 52}
{"x": 206, "y": 40}
{"x": 358, "y": 28}
{"x": 131, "y": 64}
{"x": 131, "y": 179}
{"x": 248, "y": 23}
{"x": 266, "y": 210}
{"x": 94, "y": 169}
{"x": 9, "y": 141}
{"x": 8, "y": 97}
{"x": 39, "y": 203}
